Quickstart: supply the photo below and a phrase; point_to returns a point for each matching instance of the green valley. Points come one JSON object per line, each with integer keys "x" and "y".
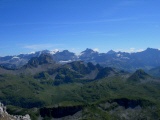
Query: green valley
{"x": 81, "y": 91}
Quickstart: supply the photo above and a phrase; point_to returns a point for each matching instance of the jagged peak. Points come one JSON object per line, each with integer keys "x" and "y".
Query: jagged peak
{"x": 52, "y": 52}
{"x": 151, "y": 49}
{"x": 44, "y": 58}
{"x": 140, "y": 71}
{"x": 139, "y": 75}
{"x": 66, "y": 51}
{"x": 88, "y": 51}
{"x": 111, "y": 52}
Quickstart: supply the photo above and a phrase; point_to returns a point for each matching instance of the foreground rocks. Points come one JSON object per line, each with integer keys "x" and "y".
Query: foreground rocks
{"x": 5, "y": 116}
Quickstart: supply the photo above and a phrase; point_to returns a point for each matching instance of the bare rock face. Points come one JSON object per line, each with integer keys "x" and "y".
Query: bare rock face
{"x": 60, "y": 112}
{"x": 5, "y": 116}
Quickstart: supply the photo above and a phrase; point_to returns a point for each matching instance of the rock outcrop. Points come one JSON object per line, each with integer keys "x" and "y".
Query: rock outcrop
{"x": 5, "y": 116}
{"x": 59, "y": 112}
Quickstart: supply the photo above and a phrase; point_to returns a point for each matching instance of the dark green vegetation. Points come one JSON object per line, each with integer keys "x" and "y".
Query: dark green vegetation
{"x": 83, "y": 90}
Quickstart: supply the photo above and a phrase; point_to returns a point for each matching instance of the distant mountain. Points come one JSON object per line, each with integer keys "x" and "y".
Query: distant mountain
{"x": 111, "y": 52}
{"x": 154, "y": 72}
{"x": 106, "y": 72}
{"x": 147, "y": 59}
{"x": 88, "y": 55}
{"x": 77, "y": 71}
{"x": 45, "y": 68}
{"x": 17, "y": 61}
{"x": 42, "y": 59}
{"x": 139, "y": 76}
{"x": 37, "y": 64}
{"x": 64, "y": 56}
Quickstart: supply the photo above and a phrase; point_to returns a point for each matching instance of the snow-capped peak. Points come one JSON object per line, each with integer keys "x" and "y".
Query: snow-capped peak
{"x": 96, "y": 50}
{"x": 31, "y": 53}
{"x": 54, "y": 51}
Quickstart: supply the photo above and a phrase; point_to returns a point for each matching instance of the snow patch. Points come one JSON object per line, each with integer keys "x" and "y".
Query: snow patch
{"x": 67, "y": 61}
{"x": 54, "y": 51}
{"x": 125, "y": 58}
{"x": 15, "y": 57}
{"x": 31, "y": 53}
{"x": 81, "y": 54}
{"x": 95, "y": 49}
{"x": 118, "y": 55}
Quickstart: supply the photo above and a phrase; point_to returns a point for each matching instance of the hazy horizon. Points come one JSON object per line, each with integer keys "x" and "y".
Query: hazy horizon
{"x": 132, "y": 50}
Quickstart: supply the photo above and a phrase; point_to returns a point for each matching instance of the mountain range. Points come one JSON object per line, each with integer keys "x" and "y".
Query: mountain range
{"x": 147, "y": 59}
{"x": 45, "y": 87}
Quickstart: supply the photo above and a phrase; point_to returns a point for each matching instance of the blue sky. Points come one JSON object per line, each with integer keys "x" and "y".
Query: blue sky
{"x": 32, "y": 25}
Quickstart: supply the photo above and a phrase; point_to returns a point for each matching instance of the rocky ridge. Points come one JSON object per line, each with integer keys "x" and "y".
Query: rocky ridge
{"x": 5, "y": 116}
{"x": 146, "y": 59}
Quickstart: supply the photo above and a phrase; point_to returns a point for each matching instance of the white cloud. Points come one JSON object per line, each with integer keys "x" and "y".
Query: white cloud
{"x": 96, "y": 49}
{"x": 75, "y": 50}
{"x": 140, "y": 50}
{"x": 35, "y": 47}
{"x": 33, "y": 52}
{"x": 135, "y": 50}
{"x": 130, "y": 50}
